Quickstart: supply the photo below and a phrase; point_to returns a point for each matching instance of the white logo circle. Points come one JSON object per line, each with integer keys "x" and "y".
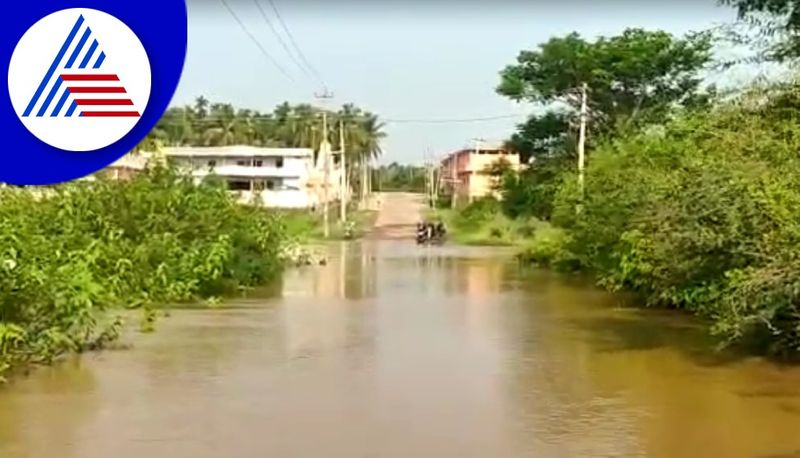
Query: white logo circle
{"x": 79, "y": 79}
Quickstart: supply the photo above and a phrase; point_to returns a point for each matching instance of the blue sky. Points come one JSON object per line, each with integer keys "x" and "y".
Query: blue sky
{"x": 437, "y": 60}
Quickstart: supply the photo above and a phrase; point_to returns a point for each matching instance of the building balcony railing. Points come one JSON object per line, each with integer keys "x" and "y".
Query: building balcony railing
{"x": 249, "y": 171}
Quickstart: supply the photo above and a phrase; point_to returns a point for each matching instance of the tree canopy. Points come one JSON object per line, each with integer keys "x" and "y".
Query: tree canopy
{"x": 778, "y": 20}
{"x": 630, "y": 75}
{"x": 635, "y": 78}
{"x": 206, "y": 123}
{"x": 400, "y": 177}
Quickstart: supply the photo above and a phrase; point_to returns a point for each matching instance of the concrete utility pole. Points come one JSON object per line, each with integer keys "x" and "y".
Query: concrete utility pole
{"x": 343, "y": 178}
{"x": 478, "y": 142}
{"x": 325, "y": 151}
{"x": 364, "y": 165}
{"x": 453, "y": 180}
{"x": 435, "y": 181}
{"x": 430, "y": 178}
{"x": 582, "y": 137}
{"x": 326, "y": 158}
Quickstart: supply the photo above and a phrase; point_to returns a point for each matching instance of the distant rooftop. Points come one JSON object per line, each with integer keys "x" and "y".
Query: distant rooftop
{"x": 235, "y": 151}
{"x": 480, "y": 149}
{"x": 131, "y": 161}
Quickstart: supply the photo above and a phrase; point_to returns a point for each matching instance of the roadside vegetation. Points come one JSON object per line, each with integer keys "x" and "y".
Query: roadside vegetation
{"x": 401, "y": 178}
{"x": 304, "y": 226}
{"x": 73, "y": 258}
{"x": 482, "y": 223}
{"x": 688, "y": 200}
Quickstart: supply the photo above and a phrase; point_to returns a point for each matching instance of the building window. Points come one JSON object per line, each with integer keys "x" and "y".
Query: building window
{"x": 270, "y": 185}
{"x": 239, "y": 185}
{"x": 258, "y": 163}
{"x": 212, "y": 163}
{"x": 242, "y": 163}
{"x": 279, "y": 162}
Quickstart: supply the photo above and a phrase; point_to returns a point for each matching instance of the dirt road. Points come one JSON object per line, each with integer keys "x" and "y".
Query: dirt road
{"x": 398, "y": 214}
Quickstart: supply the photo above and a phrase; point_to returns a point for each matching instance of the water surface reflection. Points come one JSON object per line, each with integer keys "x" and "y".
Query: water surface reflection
{"x": 394, "y": 350}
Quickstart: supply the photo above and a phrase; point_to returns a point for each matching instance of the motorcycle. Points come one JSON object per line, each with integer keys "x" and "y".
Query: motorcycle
{"x": 427, "y": 233}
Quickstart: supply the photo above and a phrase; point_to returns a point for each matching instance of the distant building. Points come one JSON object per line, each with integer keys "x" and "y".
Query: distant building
{"x": 464, "y": 173}
{"x": 279, "y": 177}
{"x": 125, "y": 167}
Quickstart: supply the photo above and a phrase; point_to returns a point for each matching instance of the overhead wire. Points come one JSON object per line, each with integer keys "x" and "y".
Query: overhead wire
{"x": 281, "y": 40}
{"x": 257, "y": 43}
{"x": 457, "y": 120}
{"x": 393, "y": 120}
{"x": 295, "y": 45}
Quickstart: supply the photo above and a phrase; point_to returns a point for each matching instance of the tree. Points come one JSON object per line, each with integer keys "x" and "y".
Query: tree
{"x": 778, "y": 22}
{"x": 638, "y": 74}
{"x": 497, "y": 172}
{"x": 635, "y": 78}
{"x": 299, "y": 126}
{"x": 541, "y": 136}
{"x": 363, "y": 133}
{"x": 399, "y": 177}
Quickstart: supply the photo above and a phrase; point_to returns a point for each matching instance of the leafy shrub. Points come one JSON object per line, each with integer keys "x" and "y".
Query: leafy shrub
{"x": 532, "y": 191}
{"x": 73, "y": 251}
{"x": 702, "y": 216}
{"x": 548, "y": 247}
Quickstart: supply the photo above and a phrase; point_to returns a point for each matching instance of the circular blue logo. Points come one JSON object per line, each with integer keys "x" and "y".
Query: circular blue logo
{"x": 87, "y": 81}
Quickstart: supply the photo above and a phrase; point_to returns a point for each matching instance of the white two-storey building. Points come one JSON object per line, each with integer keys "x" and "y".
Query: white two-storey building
{"x": 278, "y": 177}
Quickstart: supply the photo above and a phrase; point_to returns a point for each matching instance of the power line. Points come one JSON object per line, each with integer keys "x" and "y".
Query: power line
{"x": 387, "y": 120}
{"x": 258, "y": 43}
{"x": 435, "y": 121}
{"x": 281, "y": 40}
{"x": 294, "y": 43}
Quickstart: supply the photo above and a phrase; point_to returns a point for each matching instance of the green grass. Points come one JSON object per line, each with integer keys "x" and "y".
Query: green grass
{"x": 304, "y": 225}
{"x": 486, "y": 226}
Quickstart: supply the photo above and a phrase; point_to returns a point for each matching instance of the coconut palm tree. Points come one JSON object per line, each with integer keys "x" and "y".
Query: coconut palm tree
{"x": 205, "y": 123}
{"x": 201, "y": 107}
{"x": 220, "y": 126}
{"x": 369, "y": 148}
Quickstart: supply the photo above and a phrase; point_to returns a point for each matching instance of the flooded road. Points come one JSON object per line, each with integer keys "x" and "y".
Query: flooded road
{"x": 392, "y": 350}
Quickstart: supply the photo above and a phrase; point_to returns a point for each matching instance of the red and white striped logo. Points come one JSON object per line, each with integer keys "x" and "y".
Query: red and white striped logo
{"x": 85, "y": 89}
{"x": 99, "y": 95}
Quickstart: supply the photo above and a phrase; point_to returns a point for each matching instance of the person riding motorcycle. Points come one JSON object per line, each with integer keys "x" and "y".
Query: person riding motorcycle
{"x": 440, "y": 230}
{"x": 422, "y": 232}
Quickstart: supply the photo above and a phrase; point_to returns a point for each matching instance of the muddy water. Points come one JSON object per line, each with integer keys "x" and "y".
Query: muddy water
{"x": 395, "y": 351}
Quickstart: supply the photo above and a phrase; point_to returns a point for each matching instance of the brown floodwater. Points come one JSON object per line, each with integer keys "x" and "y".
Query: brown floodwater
{"x": 392, "y": 350}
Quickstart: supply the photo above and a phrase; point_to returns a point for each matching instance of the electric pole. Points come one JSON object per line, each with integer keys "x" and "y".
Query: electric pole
{"x": 325, "y": 152}
{"x": 582, "y": 138}
{"x": 478, "y": 142}
{"x": 343, "y": 179}
{"x": 453, "y": 180}
{"x": 430, "y": 178}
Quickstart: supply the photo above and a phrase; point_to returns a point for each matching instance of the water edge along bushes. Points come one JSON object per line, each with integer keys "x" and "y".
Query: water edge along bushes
{"x": 72, "y": 253}
{"x": 701, "y": 213}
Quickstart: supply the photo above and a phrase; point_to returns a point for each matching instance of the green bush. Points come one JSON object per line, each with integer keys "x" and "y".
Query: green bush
{"x": 68, "y": 255}
{"x": 483, "y": 223}
{"x": 531, "y": 192}
{"x": 702, "y": 216}
{"x": 548, "y": 246}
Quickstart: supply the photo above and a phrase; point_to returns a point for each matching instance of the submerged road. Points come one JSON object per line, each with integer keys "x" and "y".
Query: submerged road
{"x": 398, "y": 215}
{"x": 394, "y": 350}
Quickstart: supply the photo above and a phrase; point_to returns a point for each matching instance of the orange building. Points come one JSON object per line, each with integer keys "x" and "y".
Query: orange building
{"x": 465, "y": 173}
